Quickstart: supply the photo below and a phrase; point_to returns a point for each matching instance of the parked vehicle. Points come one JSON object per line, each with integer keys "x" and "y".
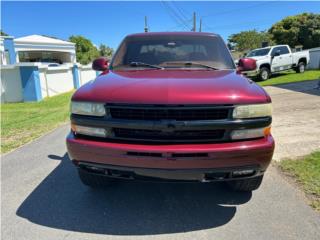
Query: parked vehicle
{"x": 274, "y": 59}
{"x": 171, "y": 107}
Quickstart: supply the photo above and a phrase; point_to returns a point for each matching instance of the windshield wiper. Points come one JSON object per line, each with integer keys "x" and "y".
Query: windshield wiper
{"x": 192, "y": 64}
{"x": 142, "y": 64}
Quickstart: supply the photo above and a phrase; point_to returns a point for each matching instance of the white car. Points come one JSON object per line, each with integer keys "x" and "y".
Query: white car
{"x": 274, "y": 59}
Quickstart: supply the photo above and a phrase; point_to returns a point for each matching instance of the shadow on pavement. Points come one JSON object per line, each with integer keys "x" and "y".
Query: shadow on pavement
{"x": 61, "y": 201}
{"x": 309, "y": 87}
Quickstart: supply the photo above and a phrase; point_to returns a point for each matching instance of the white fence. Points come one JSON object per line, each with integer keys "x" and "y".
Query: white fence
{"x": 314, "y": 58}
{"x": 86, "y": 74}
{"x": 10, "y": 84}
{"x": 55, "y": 80}
{"x": 52, "y": 80}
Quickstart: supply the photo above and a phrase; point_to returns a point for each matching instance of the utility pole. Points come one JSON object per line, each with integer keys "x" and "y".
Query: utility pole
{"x": 146, "y": 29}
{"x": 194, "y": 22}
{"x": 200, "y": 27}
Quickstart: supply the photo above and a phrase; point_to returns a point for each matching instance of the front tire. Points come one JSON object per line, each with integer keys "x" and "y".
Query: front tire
{"x": 246, "y": 185}
{"x": 301, "y": 67}
{"x": 93, "y": 180}
{"x": 264, "y": 74}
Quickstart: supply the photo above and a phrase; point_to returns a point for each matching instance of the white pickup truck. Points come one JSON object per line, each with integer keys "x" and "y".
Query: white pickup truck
{"x": 275, "y": 59}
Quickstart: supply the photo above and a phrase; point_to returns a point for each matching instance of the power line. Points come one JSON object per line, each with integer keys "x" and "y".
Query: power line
{"x": 174, "y": 15}
{"x": 181, "y": 10}
{"x": 180, "y": 24}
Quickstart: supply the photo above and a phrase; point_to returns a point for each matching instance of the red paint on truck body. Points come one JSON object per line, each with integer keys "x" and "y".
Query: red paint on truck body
{"x": 153, "y": 86}
{"x": 257, "y": 152}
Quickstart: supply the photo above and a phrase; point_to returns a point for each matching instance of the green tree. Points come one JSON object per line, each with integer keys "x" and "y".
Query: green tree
{"x": 302, "y": 29}
{"x": 247, "y": 40}
{"x": 105, "y": 51}
{"x": 2, "y": 33}
{"x": 85, "y": 50}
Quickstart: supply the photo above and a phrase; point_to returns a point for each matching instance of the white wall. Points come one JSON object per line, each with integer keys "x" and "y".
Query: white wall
{"x": 86, "y": 74}
{"x": 53, "y": 80}
{"x": 56, "y": 80}
{"x": 43, "y": 82}
{"x": 314, "y": 59}
{"x": 10, "y": 86}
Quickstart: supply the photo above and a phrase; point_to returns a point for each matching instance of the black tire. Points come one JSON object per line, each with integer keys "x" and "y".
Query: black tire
{"x": 93, "y": 180}
{"x": 246, "y": 185}
{"x": 264, "y": 74}
{"x": 301, "y": 67}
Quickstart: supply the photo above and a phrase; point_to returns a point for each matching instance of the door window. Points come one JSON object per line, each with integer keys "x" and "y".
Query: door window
{"x": 282, "y": 50}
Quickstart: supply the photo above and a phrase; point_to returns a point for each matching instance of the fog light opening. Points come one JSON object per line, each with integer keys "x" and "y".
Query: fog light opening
{"x": 90, "y": 131}
{"x": 243, "y": 173}
{"x": 94, "y": 169}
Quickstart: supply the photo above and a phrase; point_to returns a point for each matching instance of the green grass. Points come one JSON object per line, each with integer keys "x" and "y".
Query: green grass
{"x": 306, "y": 171}
{"x": 290, "y": 77}
{"x": 23, "y": 122}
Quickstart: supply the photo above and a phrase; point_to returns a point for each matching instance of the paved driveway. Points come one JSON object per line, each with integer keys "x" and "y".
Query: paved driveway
{"x": 42, "y": 198}
{"x": 296, "y": 118}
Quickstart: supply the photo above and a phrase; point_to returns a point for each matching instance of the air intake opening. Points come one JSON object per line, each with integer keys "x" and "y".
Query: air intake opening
{"x": 144, "y": 154}
{"x": 189, "y": 155}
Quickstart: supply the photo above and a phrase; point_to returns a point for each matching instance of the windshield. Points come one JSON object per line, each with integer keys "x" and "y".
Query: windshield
{"x": 174, "y": 51}
{"x": 259, "y": 52}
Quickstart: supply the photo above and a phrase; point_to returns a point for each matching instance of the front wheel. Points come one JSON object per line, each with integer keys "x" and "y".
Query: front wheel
{"x": 264, "y": 74}
{"x": 246, "y": 185}
{"x": 301, "y": 67}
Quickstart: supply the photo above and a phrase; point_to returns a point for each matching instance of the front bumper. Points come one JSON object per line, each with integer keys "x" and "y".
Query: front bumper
{"x": 253, "y": 73}
{"x": 205, "y": 157}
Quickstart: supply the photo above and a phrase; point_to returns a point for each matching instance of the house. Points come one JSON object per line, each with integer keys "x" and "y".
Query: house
{"x": 35, "y": 67}
{"x": 36, "y": 48}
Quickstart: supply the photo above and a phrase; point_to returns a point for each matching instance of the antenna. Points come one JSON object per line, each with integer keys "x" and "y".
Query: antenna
{"x": 146, "y": 29}
{"x": 194, "y": 22}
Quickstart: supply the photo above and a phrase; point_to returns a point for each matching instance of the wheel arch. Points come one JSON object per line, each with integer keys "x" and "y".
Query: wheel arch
{"x": 267, "y": 65}
{"x": 302, "y": 59}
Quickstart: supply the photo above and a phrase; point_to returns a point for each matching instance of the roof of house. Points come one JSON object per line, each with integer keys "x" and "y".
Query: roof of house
{"x": 39, "y": 39}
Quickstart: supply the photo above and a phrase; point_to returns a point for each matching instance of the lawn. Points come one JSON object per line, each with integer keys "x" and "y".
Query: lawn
{"x": 290, "y": 77}
{"x": 23, "y": 122}
{"x": 306, "y": 172}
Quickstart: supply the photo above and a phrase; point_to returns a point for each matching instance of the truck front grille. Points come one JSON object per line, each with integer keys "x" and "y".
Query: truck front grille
{"x": 157, "y": 135}
{"x": 179, "y": 114}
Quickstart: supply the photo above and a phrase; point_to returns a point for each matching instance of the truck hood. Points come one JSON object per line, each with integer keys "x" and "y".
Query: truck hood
{"x": 259, "y": 58}
{"x": 154, "y": 86}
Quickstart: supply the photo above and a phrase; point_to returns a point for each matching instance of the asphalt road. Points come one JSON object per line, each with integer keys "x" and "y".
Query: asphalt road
{"x": 42, "y": 198}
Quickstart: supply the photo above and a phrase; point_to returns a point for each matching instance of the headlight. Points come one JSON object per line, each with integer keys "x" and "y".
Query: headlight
{"x": 87, "y": 108}
{"x": 252, "y": 111}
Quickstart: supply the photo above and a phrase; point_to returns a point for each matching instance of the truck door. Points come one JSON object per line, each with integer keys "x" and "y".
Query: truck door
{"x": 281, "y": 59}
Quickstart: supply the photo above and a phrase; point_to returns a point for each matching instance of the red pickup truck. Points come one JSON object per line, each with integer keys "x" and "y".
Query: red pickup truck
{"x": 171, "y": 107}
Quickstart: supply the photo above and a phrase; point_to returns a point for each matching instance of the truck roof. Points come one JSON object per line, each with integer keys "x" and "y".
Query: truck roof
{"x": 280, "y": 45}
{"x": 172, "y": 34}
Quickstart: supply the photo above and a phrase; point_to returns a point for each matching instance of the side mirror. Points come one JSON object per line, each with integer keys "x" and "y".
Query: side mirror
{"x": 246, "y": 64}
{"x": 100, "y": 64}
{"x": 276, "y": 54}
